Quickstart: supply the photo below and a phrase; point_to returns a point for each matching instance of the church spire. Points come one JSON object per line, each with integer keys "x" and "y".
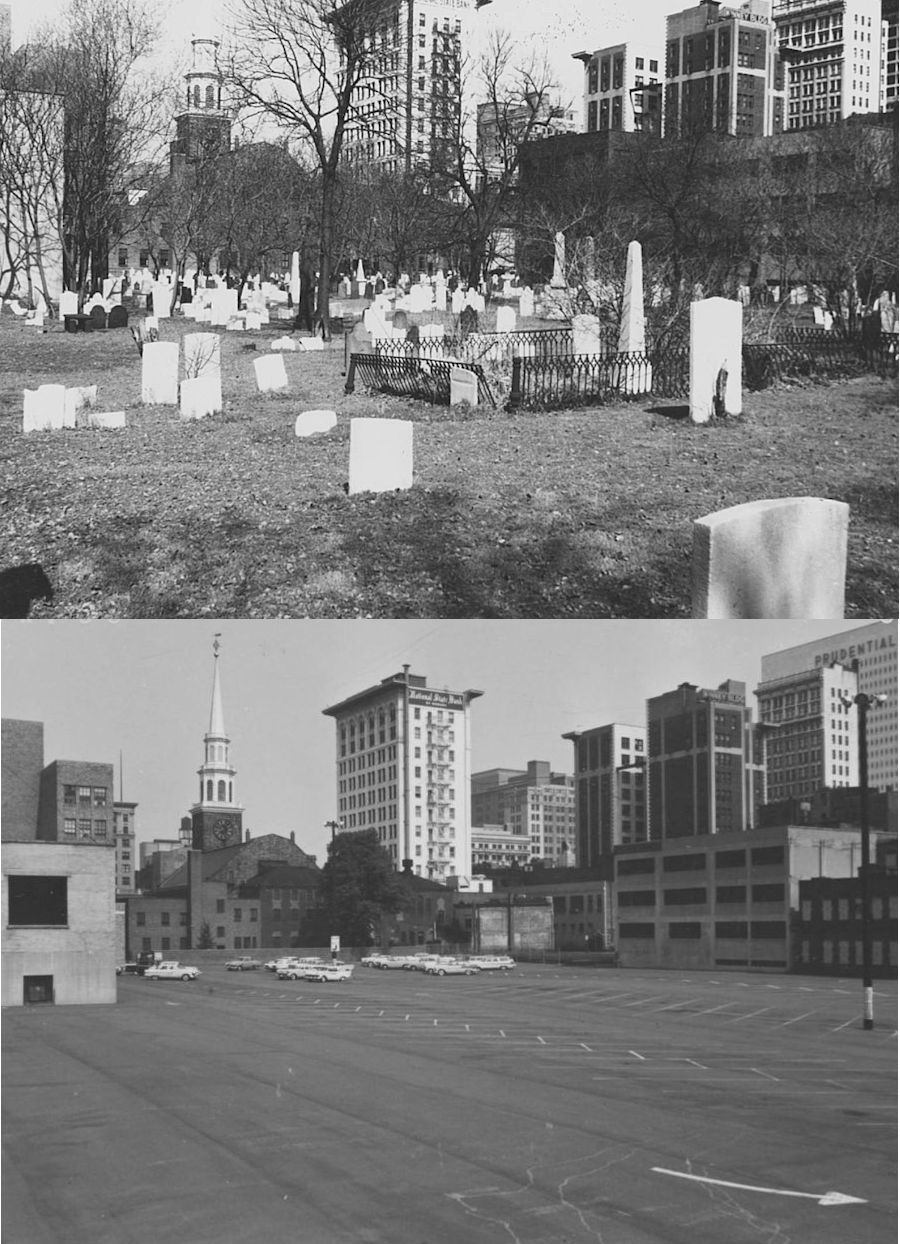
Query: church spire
{"x": 216, "y": 817}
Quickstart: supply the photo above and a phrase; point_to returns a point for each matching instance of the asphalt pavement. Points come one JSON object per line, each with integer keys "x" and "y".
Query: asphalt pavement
{"x": 542, "y": 1106}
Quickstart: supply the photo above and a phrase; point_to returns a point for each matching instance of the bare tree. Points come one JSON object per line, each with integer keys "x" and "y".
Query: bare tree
{"x": 297, "y": 62}
{"x": 476, "y": 169}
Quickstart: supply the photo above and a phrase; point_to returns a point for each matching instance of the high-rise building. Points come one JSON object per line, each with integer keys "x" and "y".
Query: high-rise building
{"x": 832, "y": 49}
{"x": 812, "y": 731}
{"x": 409, "y": 97}
{"x": 623, "y": 87}
{"x": 610, "y": 798}
{"x": 890, "y": 67}
{"x": 204, "y": 127}
{"x": 217, "y": 817}
{"x": 815, "y": 738}
{"x": 724, "y": 72}
{"x": 125, "y": 831}
{"x": 403, "y": 769}
{"x": 533, "y": 802}
{"x": 705, "y": 761}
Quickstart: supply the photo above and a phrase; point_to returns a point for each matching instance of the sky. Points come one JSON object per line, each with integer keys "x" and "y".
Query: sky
{"x": 143, "y": 689}
{"x": 563, "y": 26}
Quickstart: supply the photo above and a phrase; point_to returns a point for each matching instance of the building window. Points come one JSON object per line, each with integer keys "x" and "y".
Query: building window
{"x": 220, "y": 906}
{"x": 99, "y": 796}
{"x": 163, "y": 918}
{"x": 637, "y": 931}
{"x": 99, "y": 829}
{"x": 254, "y": 913}
{"x": 84, "y": 794}
{"x": 685, "y": 930}
{"x": 140, "y": 919}
{"x": 767, "y": 893}
{"x": 220, "y": 930}
{"x": 166, "y": 943}
{"x": 69, "y": 827}
{"x": 238, "y": 914}
{"x": 38, "y": 901}
{"x": 69, "y": 793}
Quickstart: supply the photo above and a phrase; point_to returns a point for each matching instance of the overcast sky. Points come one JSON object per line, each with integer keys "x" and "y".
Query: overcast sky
{"x": 563, "y": 26}
{"x": 143, "y": 688}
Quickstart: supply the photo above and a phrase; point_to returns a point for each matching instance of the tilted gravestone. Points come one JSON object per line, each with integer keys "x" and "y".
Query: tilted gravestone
{"x": 782, "y": 558}
{"x": 463, "y": 387}
{"x": 381, "y": 455}
{"x": 271, "y": 375}
{"x": 313, "y": 422}
{"x": 159, "y": 373}
{"x": 717, "y": 326}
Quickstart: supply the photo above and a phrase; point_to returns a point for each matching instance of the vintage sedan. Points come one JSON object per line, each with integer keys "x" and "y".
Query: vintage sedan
{"x": 171, "y": 971}
{"x": 451, "y": 967}
{"x": 329, "y": 972}
{"x": 242, "y": 964}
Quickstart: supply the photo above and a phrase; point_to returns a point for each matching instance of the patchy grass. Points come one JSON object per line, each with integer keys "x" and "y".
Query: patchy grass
{"x": 576, "y": 514}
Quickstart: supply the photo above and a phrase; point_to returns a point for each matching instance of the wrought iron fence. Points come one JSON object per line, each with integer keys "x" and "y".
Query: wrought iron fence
{"x": 596, "y": 379}
{"x": 822, "y": 356}
{"x": 428, "y": 379}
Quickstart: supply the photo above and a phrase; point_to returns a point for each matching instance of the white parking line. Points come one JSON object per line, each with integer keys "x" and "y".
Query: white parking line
{"x": 797, "y": 1018}
{"x": 644, "y": 1001}
{"x": 712, "y": 1010}
{"x": 637, "y": 1055}
{"x": 766, "y": 1074}
{"x": 673, "y": 1006}
{"x": 695, "y": 1064}
{"x": 585, "y": 1047}
{"x": 854, "y": 1020}
{"x": 750, "y": 1014}
{"x": 542, "y": 1041}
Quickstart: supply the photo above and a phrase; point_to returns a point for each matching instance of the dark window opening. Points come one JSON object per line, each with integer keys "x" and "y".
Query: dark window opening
{"x": 38, "y": 901}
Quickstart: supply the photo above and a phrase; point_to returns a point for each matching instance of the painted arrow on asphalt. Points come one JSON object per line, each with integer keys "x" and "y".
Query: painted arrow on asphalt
{"x": 824, "y": 1198}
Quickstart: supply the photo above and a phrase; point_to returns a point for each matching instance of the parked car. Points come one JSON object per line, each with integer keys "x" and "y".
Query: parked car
{"x": 130, "y": 969}
{"x": 171, "y": 971}
{"x": 242, "y": 964}
{"x": 329, "y": 972}
{"x": 451, "y": 967}
{"x": 492, "y": 963}
{"x": 297, "y": 969}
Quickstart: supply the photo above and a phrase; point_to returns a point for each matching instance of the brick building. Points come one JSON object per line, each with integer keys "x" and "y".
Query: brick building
{"x": 534, "y": 803}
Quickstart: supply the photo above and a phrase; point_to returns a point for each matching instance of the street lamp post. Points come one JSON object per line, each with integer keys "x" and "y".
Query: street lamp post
{"x": 863, "y": 703}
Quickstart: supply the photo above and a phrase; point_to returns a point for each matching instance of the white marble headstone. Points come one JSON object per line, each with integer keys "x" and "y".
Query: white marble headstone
{"x": 271, "y": 374}
{"x": 381, "y": 455}
{"x": 159, "y": 373}
{"x": 202, "y": 354}
{"x": 201, "y": 396}
{"x": 715, "y": 357}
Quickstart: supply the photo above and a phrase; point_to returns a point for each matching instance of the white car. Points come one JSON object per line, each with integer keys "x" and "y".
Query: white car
{"x": 299, "y": 969}
{"x": 492, "y": 963}
{"x": 242, "y": 964}
{"x": 171, "y": 972}
{"x": 329, "y": 972}
{"x": 451, "y": 967}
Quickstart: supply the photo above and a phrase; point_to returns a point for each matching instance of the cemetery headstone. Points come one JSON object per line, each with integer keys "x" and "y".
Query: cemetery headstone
{"x": 440, "y": 297}
{"x": 271, "y": 375}
{"x": 162, "y": 300}
{"x": 526, "y": 302}
{"x": 585, "y": 334}
{"x": 400, "y": 320}
{"x": 506, "y": 320}
{"x": 632, "y": 328}
{"x": 202, "y": 355}
{"x": 68, "y": 304}
{"x": 381, "y": 455}
{"x": 105, "y": 419}
{"x": 118, "y": 317}
{"x": 313, "y": 422}
{"x": 78, "y": 398}
{"x": 201, "y": 396}
{"x": 715, "y": 358}
{"x": 468, "y": 321}
{"x": 310, "y": 345}
{"x": 783, "y": 558}
{"x": 98, "y": 317}
{"x": 558, "y": 280}
{"x": 44, "y": 408}
{"x": 463, "y": 387}
{"x": 457, "y": 301}
{"x": 159, "y": 373}
{"x": 283, "y": 343}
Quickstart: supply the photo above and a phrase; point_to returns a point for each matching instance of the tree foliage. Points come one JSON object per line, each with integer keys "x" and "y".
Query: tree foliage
{"x": 358, "y": 886}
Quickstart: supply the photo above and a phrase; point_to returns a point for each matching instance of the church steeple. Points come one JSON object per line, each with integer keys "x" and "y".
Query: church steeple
{"x": 216, "y": 818}
{"x": 203, "y": 128}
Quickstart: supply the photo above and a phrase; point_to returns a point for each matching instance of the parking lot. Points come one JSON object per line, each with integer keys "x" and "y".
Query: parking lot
{"x": 546, "y": 1104}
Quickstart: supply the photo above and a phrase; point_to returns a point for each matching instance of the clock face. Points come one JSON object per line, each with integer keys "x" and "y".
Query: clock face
{"x": 221, "y": 830}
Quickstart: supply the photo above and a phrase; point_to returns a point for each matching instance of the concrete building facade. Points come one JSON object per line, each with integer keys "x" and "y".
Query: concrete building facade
{"x": 723, "y": 900}
{"x": 533, "y": 803}
{"x": 59, "y": 923}
{"x": 705, "y": 762}
{"x": 872, "y": 652}
{"x": 724, "y": 71}
{"x": 623, "y": 87}
{"x": 610, "y": 790}
{"x": 832, "y": 49}
{"x": 497, "y": 846}
{"x": 403, "y": 768}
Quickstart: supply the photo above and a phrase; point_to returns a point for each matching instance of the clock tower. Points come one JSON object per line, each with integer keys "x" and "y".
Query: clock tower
{"x": 216, "y": 819}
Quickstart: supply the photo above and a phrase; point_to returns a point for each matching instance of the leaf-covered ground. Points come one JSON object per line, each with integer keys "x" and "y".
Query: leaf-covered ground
{"x": 584, "y": 514}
